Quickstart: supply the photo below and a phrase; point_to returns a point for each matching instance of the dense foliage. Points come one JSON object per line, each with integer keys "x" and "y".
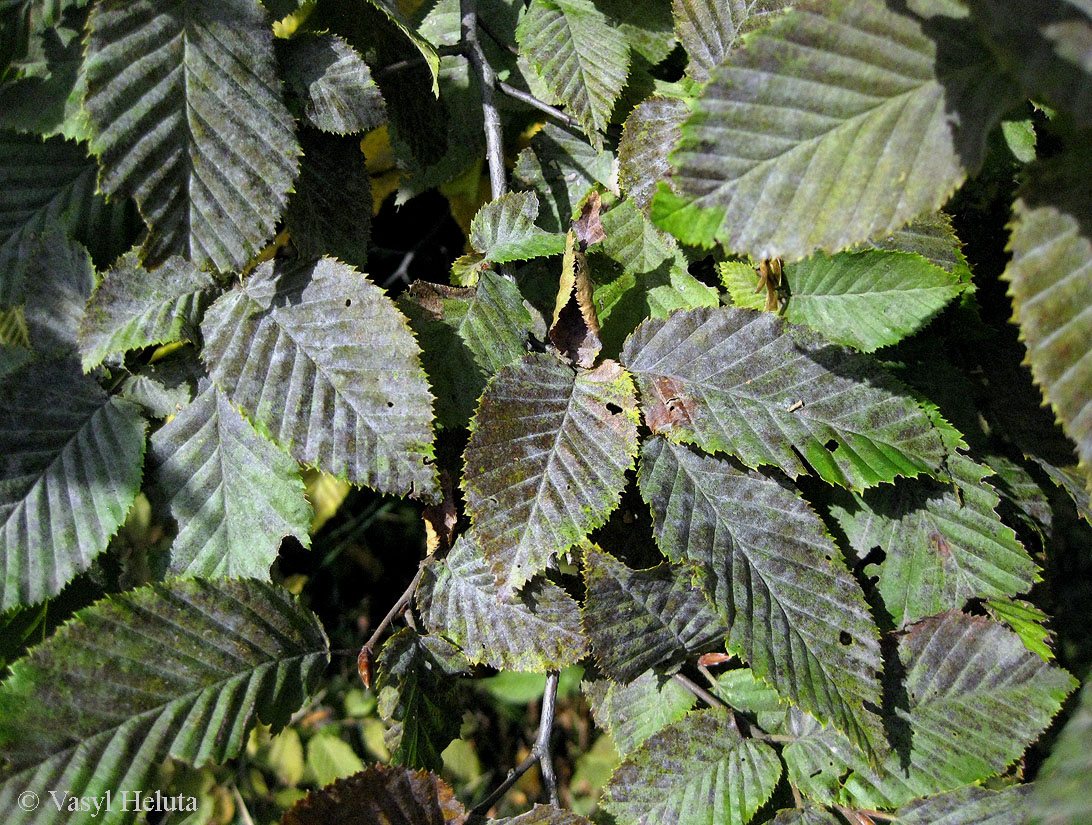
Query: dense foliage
{"x": 719, "y": 413}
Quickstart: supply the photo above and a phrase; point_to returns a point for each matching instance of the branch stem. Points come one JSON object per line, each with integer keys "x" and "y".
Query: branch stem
{"x": 533, "y": 101}
{"x": 487, "y": 80}
{"x": 699, "y": 691}
{"x": 396, "y": 609}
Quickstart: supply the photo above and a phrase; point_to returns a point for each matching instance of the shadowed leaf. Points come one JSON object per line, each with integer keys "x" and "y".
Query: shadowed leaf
{"x": 1060, "y": 797}
{"x": 333, "y": 82}
{"x": 60, "y": 277}
{"x": 971, "y": 806}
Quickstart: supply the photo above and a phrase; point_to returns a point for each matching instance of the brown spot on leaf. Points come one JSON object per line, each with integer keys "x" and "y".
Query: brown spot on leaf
{"x": 588, "y": 227}
{"x": 431, "y": 297}
{"x": 670, "y": 406}
{"x": 938, "y": 544}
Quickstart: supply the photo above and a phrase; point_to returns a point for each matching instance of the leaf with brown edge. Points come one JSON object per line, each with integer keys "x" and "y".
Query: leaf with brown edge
{"x": 575, "y": 326}
{"x": 380, "y": 794}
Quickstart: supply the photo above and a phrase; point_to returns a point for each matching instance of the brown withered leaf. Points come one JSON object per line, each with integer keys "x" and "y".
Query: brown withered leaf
{"x": 440, "y": 519}
{"x": 588, "y": 228}
{"x": 575, "y": 326}
{"x": 392, "y": 795}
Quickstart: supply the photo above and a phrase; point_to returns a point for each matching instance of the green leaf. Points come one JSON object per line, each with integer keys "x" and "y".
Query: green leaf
{"x": 232, "y": 492}
{"x": 46, "y": 182}
{"x": 749, "y": 384}
{"x": 1072, "y": 481}
{"x": 133, "y": 307}
{"x": 393, "y": 795}
{"x": 973, "y": 699}
{"x": 1060, "y": 796}
{"x": 561, "y": 168}
{"x": 698, "y": 771}
{"x": 321, "y": 359}
{"x": 582, "y": 58}
{"x": 330, "y": 212}
{"x": 199, "y": 135}
{"x": 742, "y": 690}
{"x": 1045, "y": 46}
{"x": 632, "y": 713}
{"x": 780, "y": 155}
{"x": 168, "y": 385}
{"x": 709, "y": 30}
{"x": 795, "y": 612}
{"x": 544, "y": 815}
{"x": 547, "y": 459}
{"x": 333, "y": 83}
{"x": 638, "y": 619}
{"x": 808, "y": 815}
{"x": 742, "y": 282}
{"x": 504, "y": 230}
{"x": 932, "y": 237}
{"x": 648, "y": 136}
{"x": 466, "y": 335}
{"x": 869, "y": 299}
{"x": 538, "y": 629}
{"x": 646, "y": 25}
{"x": 330, "y": 758}
{"x": 416, "y": 688}
{"x": 944, "y": 542}
{"x": 971, "y": 806}
{"x": 72, "y": 465}
{"x": 1051, "y": 288}
{"x": 182, "y": 669}
{"x": 59, "y": 278}
{"x": 394, "y": 15}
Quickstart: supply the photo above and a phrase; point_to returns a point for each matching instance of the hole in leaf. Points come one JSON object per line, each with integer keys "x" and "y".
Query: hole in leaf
{"x": 348, "y": 302}
{"x": 845, "y": 638}
{"x": 613, "y": 409}
{"x": 390, "y": 404}
{"x": 831, "y": 445}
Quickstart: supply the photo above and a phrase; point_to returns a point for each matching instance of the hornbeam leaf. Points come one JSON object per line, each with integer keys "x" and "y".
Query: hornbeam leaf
{"x": 971, "y": 806}
{"x": 945, "y": 544}
{"x": 632, "y": 713}
{"x": 234, "y": 494}
{"x": 808, "y": 815}
{"x": 59, "y": 278}
{"x": 186, "y": 108}
{"x": 333, "y": 82}
{"x": 795, "y": 612}
{"x": 1060, "y": 796}
{"x": 504, "y": 230}
{"x": 850, "y": 109}
{"x": 466, "y": 335}
{"x": 538, "y": 629}
{"x": 432, "y": 59}
{"x": 544, "y": 815}
{"x": 183, "y": 669}
{"x": 1028, "y": 621}
{"x": 638, "y": 619}
{"x": 698, "y": 771}
{"x": 932, "y": 237}
{"x": 648, "y": 136}
{"x": 747, "y": 383}
{"x": 321, "y": 359}
{"x": 391, "y": 795}
{"x": 416, "y": 689}
{"x": 330, "y": 213}
{"x": 869, "y": 299}
{"x": 71, "y": 469}
{"x": 646, "y": 24}
{"x": 974, "y": 698}
{"x": 133, "y": 307}
{"x": 42, "y": 182}
{"x": 582, "y": 58}
{"x": 547, "y": 459}
{"x": 709, "y": 30}
{"x": 1050, "y": 281}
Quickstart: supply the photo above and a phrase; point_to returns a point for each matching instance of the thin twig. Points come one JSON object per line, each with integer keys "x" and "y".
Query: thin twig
{"x": 531, "y": 100}
{"x": 540, "y": 754}
{"x": 398, "y": 607}
{"x": 545, "y": 729}
{"x": 243, "y": 812}
{"x": 487, "y": 79}
{"x": 493, "y": 36}
{"x": 699, "y": 691}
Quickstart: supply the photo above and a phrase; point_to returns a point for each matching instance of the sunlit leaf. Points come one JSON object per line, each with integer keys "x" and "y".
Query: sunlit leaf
{"x": 72, "y": 466}
{"x": 944, "y": 542}
{"x": 333, "y": 82}
{"x": 697, "y": 771}
{"x": 133, "y": 307}
{"x": 504, "y": 230}
{"x": 780, "y": 155}
{"x": 546, "y": 462}
{"x": 321, "y": 359}
{"x": 544, "y": 815}
{"x": 972, "y": 699}
{"x": 183, "y": 669}
{"x": 650, "y": 133}
{"x": 1050, "y": 281}
{"x": 638, "y": 619}
{"x": 59, "y": 278}
{"x": 234, "y": 494}
{"x": 808, "y": 815}
{"x": 391, "y": 795}
{"x": 709, "y": 30}
{"x": 747, "y": 383}
{"x": 1060, "y": 796}
{"x": 538, "y": 629}
{"x": 932, "y": 237}
{"x": 971, "y": 806}
{"x": 632, "y": 713}
{"x": 416, "y": 689}
{"x": 646, "y": 25}
{"x": 582, "y": 58}
{"x": 764, "y": 558}
{"x": 199, "y": 135}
